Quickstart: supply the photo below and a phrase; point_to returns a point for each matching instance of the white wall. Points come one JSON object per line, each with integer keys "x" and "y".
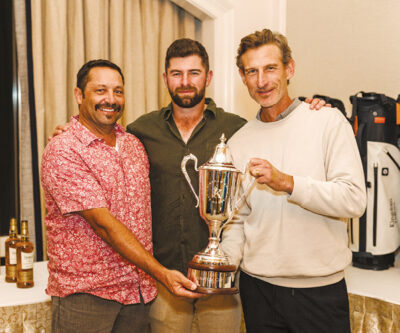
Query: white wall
{"x": 252, "y": 15}
{"x": 344, "y": 46}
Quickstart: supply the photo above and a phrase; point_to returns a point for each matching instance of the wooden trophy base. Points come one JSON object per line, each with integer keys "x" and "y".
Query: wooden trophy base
{"x": 213, "y": 279}
{"x": 217, "y": 291}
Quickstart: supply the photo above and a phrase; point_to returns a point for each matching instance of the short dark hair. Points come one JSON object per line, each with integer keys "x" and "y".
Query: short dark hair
{"x": 83, "y": 74}
{"x": 260, "y": 38}
{"x": 185, "y": 47}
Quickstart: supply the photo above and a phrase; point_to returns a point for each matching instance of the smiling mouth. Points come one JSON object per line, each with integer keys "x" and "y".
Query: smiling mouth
{"x": 108, "y": 108}
{"x": 264, "y": 92}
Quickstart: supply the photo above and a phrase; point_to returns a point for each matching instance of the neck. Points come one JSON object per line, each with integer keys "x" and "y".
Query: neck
{"x": 105, "y": 132}
{"x": 186, "y": 119}
{"x": 269, "y": 114}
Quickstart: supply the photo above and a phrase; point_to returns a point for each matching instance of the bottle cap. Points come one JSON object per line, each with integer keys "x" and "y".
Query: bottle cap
{"x": 24, "y": 227}
{"x": 13, "y": 224}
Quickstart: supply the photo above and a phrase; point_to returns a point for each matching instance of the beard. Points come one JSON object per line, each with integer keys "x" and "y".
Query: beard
{"x": 187, "y": 102}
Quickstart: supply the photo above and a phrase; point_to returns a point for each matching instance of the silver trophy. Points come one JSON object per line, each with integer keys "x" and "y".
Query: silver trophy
{"x": 218, "y": 191}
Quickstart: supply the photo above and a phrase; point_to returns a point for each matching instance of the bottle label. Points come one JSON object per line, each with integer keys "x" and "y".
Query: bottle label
{"x": 12, "y": 252}
{"x": 11, "y": 272}
{"x": 26, "y": 260}
{"x": 25, "y": 276}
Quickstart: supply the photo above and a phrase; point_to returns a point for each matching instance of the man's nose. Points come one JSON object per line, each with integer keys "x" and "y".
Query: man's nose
{"x": 185, "y": 79}
{"x": 262, "y": 79}
{"x": 110, "y": 97}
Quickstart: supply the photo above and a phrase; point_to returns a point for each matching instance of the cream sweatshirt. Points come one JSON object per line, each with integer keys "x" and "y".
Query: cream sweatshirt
{"x": 298, "y": 240}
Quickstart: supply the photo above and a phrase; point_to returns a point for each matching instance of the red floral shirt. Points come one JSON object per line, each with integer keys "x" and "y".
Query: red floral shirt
{"x": 80, "y": 172}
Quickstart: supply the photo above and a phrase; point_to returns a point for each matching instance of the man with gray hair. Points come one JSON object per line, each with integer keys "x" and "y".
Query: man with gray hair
{"x": 290, "y": 236}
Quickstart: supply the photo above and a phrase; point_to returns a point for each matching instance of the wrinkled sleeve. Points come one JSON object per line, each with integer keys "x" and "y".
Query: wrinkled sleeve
{"x": 343, "y": 193}
{"x": 69, "y": 182}
{"x": 233, "y": 237}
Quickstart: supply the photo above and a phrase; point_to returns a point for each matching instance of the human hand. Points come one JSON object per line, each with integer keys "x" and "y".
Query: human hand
{"x": 59, "y": 130}
{"x": 179, "y": 285}
{"x": 316, "y": 103}
{"x": 266, "y": 173}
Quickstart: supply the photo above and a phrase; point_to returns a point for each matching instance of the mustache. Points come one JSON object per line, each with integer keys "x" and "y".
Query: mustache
{"x": 185, "y": 88}
{"x": 115, "y": 107}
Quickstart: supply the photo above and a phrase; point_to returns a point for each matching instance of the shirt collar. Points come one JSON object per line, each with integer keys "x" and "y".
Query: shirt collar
{"x": 211, "y": 109}
{"x": 85, "y": 136}
{"x": 296, "y": 102}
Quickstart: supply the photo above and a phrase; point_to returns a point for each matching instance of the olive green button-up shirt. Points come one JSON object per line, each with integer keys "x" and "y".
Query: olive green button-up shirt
{"x": 178, "y": 230}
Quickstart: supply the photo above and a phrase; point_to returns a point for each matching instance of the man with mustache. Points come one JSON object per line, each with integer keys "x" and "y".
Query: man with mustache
{"x": 99, "y": 239}
{"x": 193, "y": 124}
{"x": 290, "y": 236}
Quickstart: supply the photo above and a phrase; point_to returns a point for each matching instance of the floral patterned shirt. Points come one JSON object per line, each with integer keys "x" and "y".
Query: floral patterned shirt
{"x": 80, "y": 172}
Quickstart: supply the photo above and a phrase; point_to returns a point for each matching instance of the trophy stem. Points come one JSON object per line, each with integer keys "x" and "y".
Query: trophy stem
{"x": 212, "y": 249}
{"x": 214, "y": 228}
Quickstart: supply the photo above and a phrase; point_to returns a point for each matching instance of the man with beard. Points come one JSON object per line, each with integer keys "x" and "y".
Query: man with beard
{"x": 190, "y": 124}
{"x": 95, "y": 178}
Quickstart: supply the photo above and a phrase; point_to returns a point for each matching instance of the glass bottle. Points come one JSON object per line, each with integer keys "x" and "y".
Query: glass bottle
{"x": 11, "y": 251}
{"x": 25, "y": 257}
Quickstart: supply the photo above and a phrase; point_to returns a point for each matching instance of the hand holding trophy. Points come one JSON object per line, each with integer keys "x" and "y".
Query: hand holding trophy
{"x": 219, "y": 182}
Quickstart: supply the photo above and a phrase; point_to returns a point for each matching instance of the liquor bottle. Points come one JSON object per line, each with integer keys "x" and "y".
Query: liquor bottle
{"x": 25, "y": 256}
{"x": 11, "y": 252}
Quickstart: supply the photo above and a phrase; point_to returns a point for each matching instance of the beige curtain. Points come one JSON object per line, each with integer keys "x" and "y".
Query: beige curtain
{"x": 26, "y": 199}
{"x": 132, "y": 33}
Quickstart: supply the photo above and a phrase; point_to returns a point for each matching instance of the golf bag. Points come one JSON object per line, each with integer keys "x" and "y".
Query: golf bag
{"x": 375, "y": 236}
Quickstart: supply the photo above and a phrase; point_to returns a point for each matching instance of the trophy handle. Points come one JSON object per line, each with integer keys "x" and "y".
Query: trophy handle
{"x": 243, "y": 196}
{"x": 183, "y": 168}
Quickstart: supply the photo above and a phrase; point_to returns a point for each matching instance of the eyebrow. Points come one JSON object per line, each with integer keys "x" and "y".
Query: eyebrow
{"x": 190, "y": 70}
{"x": 102, "y": 85}
{"x": 267, "y": 65}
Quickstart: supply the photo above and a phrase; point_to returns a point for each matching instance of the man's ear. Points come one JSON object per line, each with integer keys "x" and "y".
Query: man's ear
{"x": 164, "y": 75}
{"x": 78, "y": 95}
{"x": 209, "y": 77}
{"x": 290, "y": 67}
{"x": 242, "y": 76}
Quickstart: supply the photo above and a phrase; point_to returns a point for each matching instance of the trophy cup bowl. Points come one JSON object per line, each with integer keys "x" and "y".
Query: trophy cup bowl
{"x": 218, "y": 189}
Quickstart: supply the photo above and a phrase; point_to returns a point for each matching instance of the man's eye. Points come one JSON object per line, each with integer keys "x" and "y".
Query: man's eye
{"x": 100, "y": 91}
{"x": 251, "y": 72}
{"x": 119, "y": 92}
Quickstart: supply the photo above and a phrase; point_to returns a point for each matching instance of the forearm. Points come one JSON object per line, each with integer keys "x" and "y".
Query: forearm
{"x": 233, "y": 238}
{"x": 121, "y": 239}
{"x": 232, "y": 243}
{"x": 339, "y": 198}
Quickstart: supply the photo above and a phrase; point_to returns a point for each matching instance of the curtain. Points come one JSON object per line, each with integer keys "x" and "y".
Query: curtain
{"x": 132, "y": 33}
{"x": 26, "y": 156}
